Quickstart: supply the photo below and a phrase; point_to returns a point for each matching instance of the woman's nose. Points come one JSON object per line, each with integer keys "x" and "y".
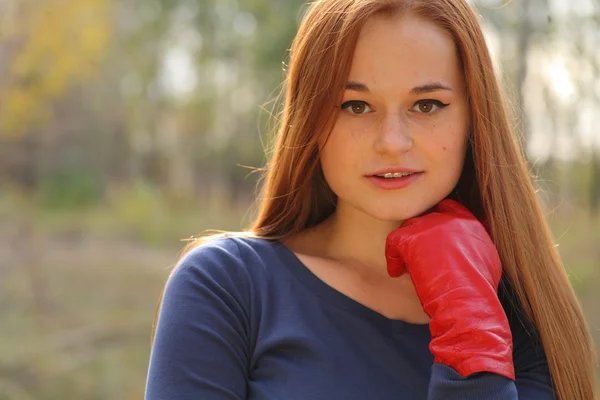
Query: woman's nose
{"x": 393, "y": 135}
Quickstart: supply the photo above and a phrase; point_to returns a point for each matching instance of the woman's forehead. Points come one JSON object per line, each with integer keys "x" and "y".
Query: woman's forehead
{"x": 404, "y": 52}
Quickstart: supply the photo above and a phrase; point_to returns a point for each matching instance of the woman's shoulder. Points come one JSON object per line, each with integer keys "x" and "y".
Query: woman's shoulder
{"x": 230, "y": 246}
{"x": 230, "y": 256}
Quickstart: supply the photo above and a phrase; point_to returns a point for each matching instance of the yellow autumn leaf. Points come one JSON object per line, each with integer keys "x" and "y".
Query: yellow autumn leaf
{"x": 62, "y": 43}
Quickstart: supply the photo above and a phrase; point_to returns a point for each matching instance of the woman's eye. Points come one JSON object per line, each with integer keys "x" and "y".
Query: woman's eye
{"x": 428, "y": 106}
{"x": 356, "y": 107}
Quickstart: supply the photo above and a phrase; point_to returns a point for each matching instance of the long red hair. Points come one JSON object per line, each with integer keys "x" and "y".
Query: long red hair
{"x": 495, "y": 184}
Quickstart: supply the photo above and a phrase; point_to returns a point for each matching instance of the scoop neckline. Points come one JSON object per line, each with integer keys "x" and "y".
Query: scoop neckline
{"x": 332, "y": 296}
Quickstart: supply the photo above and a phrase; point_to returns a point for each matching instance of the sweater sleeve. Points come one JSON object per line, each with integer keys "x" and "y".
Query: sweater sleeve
{"x": 532, "y": 375}
{"x": 201, "y": 346}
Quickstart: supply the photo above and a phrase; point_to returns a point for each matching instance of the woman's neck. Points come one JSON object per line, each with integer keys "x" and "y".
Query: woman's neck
{"x": 349, "y": 235}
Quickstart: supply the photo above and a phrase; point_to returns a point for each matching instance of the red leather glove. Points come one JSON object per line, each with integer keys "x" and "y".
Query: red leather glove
{"x": 456, "y": 270}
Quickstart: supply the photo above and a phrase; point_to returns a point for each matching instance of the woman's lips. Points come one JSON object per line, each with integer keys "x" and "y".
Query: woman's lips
{"x": 394, "y": 183}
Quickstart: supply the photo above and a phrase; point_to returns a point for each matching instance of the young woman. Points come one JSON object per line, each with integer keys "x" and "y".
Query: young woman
{"x": 399, "y": 251}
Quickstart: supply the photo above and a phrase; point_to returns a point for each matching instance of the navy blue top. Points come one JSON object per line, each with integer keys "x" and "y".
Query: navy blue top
{"x": 244, "y": 318}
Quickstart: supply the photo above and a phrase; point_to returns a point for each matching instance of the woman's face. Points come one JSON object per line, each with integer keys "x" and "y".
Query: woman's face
{"x": 404, "y": 111}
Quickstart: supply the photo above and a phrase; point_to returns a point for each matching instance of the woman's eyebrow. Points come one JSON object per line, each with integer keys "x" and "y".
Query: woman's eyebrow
{"x": 357, "y": 87}
{"x": 427, "y": 88}
{"x": 430, "y": 87}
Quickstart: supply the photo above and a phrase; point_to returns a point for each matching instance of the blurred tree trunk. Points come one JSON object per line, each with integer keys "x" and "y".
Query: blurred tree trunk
{"x": 549, "y": 171}
{"x": 525, "y": 31}
{"x": 584, "y": 31}
{"x": 595, "y": 184}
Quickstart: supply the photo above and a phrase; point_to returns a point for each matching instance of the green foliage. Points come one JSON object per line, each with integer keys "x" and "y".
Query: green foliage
{"x": 148, "y": 216}
{"x": 141, "y": 210}
{"x": 71, "y": 188}
{"x": 137, "y": 203}
{"x": 580, "y": 176}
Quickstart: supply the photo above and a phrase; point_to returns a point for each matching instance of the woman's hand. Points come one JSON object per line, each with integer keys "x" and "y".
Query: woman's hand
{"x": 455, "y": 269}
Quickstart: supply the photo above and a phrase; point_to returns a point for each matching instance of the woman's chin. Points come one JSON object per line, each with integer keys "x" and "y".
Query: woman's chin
{"x": 396, "y": 218}
{"x": 398, "y": 213}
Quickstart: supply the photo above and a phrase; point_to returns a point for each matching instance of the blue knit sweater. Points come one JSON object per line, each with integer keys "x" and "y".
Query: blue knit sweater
{"x": 245, "y": 319}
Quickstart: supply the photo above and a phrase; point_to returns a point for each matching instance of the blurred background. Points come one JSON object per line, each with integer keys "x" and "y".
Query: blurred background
{"x": 127, "y": 126}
